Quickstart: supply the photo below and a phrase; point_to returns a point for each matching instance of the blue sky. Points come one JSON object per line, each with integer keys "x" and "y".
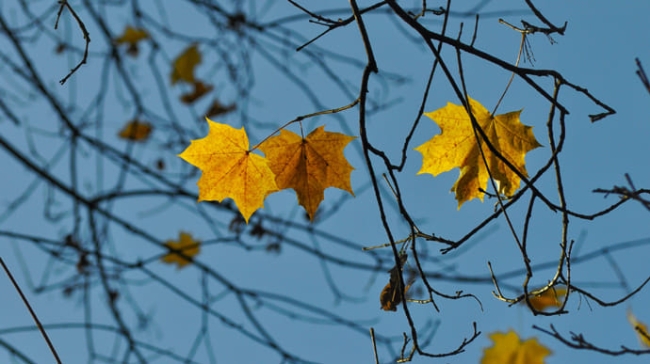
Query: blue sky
{"x": 597, "y": 52}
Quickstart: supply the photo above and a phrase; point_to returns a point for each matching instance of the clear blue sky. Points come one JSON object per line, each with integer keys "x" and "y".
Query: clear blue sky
{"x": 597, "y": 52}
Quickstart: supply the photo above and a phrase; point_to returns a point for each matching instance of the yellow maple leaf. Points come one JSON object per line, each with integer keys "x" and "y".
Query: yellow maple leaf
{"x": 456, "y": 146}
{"x": 509, "y": 349}
{"x": 135, "y": 130}
{"x": 184, "y": 64}
{"x": 309, "y": 165}
{"x": 132, "y": 36}
{"x": 186, "y": 245}
{"x": 638, "y": 325}
{"x": 552, "y": 297}
{"x": 230, "y": 170}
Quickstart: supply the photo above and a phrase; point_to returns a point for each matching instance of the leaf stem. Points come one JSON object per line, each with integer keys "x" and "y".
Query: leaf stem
{"x": 512, "y": 76}
{"x": 299, "y": 119}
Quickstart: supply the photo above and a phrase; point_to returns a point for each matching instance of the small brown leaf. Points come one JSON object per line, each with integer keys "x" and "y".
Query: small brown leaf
{"x": 200, "y": 90}
{"x": 131, "y": 37}
{"x": 216, "y": 109}
{"x": 389, "y": 296}
{"x": 137, "y": 131}
{"x": 552, "y": 297}
{"x": 184, "y": 64}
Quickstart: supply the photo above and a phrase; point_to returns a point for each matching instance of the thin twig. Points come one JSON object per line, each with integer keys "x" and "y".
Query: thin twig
{"x": 31, "y": 311}
{"x": 374, "y": 345}
{"x": 641, "y": 73}
{"x": 84, "y": 31}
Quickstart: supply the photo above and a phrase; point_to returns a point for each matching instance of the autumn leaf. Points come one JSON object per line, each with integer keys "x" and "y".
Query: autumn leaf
{"x": 509, "y": 349}
{"x": 186, "y": 245}
{"x": 552, "y": 297}
{"x": 389, "y": 298}
{"x": 456, "y": 146}
{"x": 309, "y": 165}
{"x": 200, "y": 89}
{"x": 216, "y": 109}
{"x": 230, "y": 170}
{"x": 132, "y": 36}
{"x": 184, "y": 64}
{"x": 640, "y": 328}
{"x": 137, "y": 131}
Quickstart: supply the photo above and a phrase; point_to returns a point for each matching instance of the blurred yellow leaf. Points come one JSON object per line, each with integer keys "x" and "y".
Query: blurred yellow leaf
{"x": 183, "y": 66}
{"x": 509, "y": 349}
{"x": 552, "y": 297}
{"x": 186, "y": 245}
{"x": 131, "y": 37}
{"x": 639, "y": 326}
{"x": 137, "y": 131}
{"x": 200, "y": 90}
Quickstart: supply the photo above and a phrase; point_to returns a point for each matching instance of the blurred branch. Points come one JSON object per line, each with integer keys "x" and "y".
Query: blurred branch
{"x": 31, "y": 311}
{"x": 642, "y": 75}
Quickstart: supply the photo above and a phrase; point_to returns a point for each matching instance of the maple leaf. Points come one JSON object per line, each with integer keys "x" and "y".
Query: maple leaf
{"x": 132, "y": 36}
{"x": 230, "y": 170}
{"x": 509, "y": 349}
{"x": 186, "y": 245}
{"x": 456, "y": 146}
{"x": 184, "y": 64}
{"x": 137, "y": 131}
{"x": 389, "y": 298}
{"x": 200, "y": 89}
{"x": 640, "y": 328}
{"x": 309, "y": 165}
{"x": 552, "y": 297}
